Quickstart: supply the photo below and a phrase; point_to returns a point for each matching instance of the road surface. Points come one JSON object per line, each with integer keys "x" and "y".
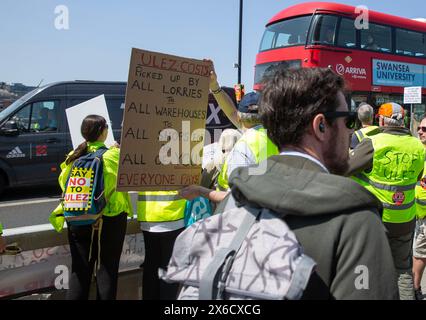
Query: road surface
{"x": 22, "y": 207}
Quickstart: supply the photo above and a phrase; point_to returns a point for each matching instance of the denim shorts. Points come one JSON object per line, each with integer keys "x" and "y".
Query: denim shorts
{"x": 419, "y": 243}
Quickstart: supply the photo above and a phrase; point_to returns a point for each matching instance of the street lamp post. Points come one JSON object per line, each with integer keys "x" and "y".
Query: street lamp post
{"x": 240, "y": 37}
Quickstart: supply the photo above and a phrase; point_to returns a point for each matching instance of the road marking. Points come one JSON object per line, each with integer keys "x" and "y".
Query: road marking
{"x": 13, "y": 204}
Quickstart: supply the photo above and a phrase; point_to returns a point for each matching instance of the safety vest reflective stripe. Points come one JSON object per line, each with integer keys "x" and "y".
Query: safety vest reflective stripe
{"x": 421, "y": 202}
{"x": 143, "y": 197}
{"x": 389, "y": 188}
{"x": 359, "y": 135}
{"x": 385, "y": 186}
{"x": 160, "y": 206}
{"x": 398, "y": 207}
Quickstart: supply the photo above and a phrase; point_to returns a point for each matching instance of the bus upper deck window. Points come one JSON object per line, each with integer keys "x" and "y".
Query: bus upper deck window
{"x": 371, "y": 43}
{"x": 409, "y": 43}
{"x": 376, "y": 38}
{"x": 347, "y": 33}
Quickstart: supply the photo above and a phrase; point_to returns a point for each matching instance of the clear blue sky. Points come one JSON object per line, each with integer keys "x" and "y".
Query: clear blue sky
{"x": 97, "y": 46}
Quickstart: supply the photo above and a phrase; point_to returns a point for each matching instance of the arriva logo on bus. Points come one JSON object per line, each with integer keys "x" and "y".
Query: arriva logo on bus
{"x": 355, "y": 72}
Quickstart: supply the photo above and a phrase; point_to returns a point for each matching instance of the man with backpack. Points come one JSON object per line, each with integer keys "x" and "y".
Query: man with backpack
{"x": 331, "y": 220}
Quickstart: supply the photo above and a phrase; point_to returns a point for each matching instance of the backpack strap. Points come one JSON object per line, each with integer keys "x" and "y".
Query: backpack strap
{"x": 230, "y": 203}
{"x": 100, "y": 152}
{"x": 211, "y": 287}
{"x": 98, "y": 155}
{"x": 302, "y": 275}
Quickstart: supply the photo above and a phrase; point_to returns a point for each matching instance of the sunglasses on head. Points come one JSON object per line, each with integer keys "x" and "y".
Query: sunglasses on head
{"x": 351, "y": 117}
{"x": 423, "y": 129}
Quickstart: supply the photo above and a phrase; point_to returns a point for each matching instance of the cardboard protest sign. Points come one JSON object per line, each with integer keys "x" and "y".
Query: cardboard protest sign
{"x": 76, "y": 114}
{"x": 164, "y": 122}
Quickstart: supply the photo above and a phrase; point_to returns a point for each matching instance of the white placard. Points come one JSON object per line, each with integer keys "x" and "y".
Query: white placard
{"x": 76, "y": 114}
{"x": 412, "y": 95}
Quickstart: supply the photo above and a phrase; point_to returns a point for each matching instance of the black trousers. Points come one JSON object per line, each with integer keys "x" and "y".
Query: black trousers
{"x": 112, "y": 238}
{"x": 158, "y": 251}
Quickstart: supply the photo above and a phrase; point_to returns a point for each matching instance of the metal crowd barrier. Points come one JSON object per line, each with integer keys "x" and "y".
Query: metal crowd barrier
{"x": 45, "y": 261}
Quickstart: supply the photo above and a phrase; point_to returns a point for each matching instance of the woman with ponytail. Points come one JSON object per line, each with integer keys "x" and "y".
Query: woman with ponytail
{"x": 84, "y": 251}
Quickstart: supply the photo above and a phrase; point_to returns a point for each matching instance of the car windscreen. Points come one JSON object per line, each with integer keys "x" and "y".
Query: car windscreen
{"x": 15, "y": 105}
{"x": 267, "y": 69}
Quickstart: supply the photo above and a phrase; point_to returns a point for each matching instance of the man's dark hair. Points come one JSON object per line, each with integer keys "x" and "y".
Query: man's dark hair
{"x": 291, "y": 98}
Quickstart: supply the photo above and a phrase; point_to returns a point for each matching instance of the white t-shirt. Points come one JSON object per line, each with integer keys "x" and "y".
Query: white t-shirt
{"x": 304, "y": 155}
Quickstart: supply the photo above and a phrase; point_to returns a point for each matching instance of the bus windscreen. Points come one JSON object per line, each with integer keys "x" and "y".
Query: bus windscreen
{"x": 286, "y": 33}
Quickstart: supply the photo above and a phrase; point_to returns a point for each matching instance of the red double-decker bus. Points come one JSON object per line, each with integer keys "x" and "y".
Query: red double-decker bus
{"x": 378, "y": 60}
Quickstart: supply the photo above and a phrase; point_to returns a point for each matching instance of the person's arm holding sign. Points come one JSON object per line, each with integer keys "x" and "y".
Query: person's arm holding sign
{"x": 194, "y": 191}
{"x": 225, "y": 102}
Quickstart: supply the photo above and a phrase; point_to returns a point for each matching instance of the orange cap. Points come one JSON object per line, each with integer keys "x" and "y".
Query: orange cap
{"x": 392, "y": 110}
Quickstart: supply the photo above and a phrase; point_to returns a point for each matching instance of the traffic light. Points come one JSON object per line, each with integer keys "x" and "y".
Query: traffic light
{"x": 239, "y": 92}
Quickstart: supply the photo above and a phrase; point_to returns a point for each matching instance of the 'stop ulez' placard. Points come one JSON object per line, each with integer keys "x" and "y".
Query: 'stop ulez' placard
{"x": 163, "y": 129}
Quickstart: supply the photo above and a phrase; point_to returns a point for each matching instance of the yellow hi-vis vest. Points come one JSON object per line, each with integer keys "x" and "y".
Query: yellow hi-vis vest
{"x": 421, "y": 196}
{"x": 397, "y": 163}
{"x": 363, "y": 132}
{"x": 259, "y": 144}
{"x": 160, "y": 206}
